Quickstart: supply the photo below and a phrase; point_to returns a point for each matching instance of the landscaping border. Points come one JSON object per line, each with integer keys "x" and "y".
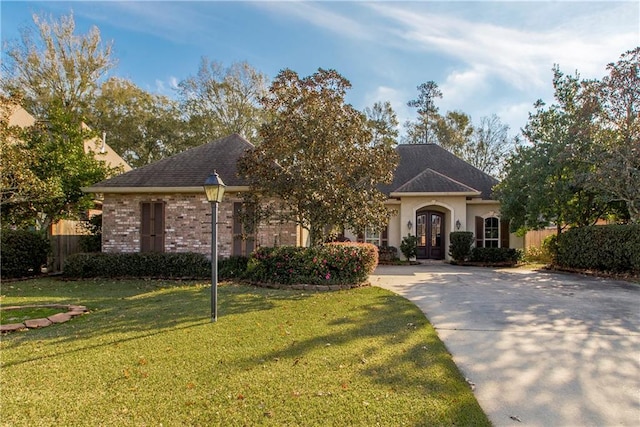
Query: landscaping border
{"x": 72, "y": 311}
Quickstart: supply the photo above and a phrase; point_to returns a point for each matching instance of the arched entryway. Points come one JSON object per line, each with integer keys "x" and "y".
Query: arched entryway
{"x": 430, "y": 230}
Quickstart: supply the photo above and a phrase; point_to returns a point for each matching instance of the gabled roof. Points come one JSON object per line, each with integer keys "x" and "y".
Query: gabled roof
{"x": 435, "y": 183}
{"x": 189, "y": 168}
{"x": 429, "y": 168}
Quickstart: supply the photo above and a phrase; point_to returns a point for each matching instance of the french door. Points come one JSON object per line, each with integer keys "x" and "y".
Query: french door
{"x": 430, "y": 234}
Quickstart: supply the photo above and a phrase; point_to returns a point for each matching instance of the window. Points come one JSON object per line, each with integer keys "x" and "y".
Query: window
{"x": 152, "y": 227}
{"x": 491, "y": 232}
{"x": 376, "y": 237}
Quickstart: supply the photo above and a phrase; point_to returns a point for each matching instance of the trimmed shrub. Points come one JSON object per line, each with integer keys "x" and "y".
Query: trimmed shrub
{"x": 328, "y": 264}
{"x": 387, "y": 253}
{"x": 23, "y": 253}
{"x": 495, "y": 255}
{"x": 409, "y": 246}
{"x": 234, "y": 267}
{"x": 460, "y": 245}
{"x": 614, "y": 248}
{"x": 156, "y": 265}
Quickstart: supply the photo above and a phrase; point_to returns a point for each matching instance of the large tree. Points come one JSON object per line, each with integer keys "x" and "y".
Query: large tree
{"x": 222, "y": 100}
{"x": 547, "y": 182}
{"x": 617, "y": 153}
{"x": 142, "y": 127}
{"x": 422, "y": 131}
{"x": 321, "y": 157}
{"x": 51, "y": 63}
{"x": 489, "y": 146}
{"x": 44, "y": 167}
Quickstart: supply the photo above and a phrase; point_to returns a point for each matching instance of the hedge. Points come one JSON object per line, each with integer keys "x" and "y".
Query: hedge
{"x": 328, "y": 264}
{"x": 614, "y": 248}
{"x": 23, "y": 253}
{"x": 156, "y": 265}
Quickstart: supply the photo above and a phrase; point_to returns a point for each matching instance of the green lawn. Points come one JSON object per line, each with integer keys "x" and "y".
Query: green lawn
{"x": 148, "y": 355}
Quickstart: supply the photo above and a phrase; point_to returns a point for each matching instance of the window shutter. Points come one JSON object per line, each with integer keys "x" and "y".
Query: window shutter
{"x": 479, "y": 232}
{"x": 504, "y": 234}
{"x": 152, "y": 227}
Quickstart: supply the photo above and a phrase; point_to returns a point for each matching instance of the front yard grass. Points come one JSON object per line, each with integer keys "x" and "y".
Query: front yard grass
{"x": 147, "y": 354}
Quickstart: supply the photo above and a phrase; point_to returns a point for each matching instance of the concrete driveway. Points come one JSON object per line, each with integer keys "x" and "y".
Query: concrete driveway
{"x": 543, "y": 349}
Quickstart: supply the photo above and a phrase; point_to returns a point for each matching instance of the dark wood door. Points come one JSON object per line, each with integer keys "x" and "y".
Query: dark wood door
{"x": 430, "y": 234}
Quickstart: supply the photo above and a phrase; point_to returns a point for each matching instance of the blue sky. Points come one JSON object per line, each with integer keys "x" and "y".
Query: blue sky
{"x": 487, "y": 57}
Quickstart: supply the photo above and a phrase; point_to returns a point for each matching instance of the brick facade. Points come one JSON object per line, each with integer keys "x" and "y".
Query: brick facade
{"x": 187, "y": 224}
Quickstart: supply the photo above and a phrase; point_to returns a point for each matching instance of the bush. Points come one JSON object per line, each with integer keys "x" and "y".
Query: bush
{"x": 156, "y": 265}
{"x": 495, "y": 255}
{"x": 23, "y": 253}
{"x": 614, "y": 248}
{"x": 387, "y": 253}
{"x": 234, "y": 267}
{"x": 409, "y": 246}
{"x": 460, "y": 246}
{"x": 328, "y": 264}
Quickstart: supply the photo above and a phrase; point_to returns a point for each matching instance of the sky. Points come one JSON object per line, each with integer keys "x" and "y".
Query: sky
{"x": 486, "y": 57}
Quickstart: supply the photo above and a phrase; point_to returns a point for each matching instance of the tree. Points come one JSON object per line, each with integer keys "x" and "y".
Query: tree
{"x": 140, "y": 126}
{"x": 453, "y": 132}
{"x": 321, "y": 157}
{"x": 220, "y": 101}
{"x": 44, "y": 170}
{"x": 547, "y": 181}
{"x": 489, "y": 146}
{"x": 421, "y": 132}
{"x": 618, "y": 150}
{"x": 56, "y": 66}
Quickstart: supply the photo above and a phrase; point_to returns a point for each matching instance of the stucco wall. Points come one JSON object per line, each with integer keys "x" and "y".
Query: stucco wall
{"x": 187, "y": 224}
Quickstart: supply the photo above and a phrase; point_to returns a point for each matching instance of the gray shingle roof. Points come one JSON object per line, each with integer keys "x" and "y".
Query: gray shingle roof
{"x": 189, "y": 168}
{"x": 429, "y": 168}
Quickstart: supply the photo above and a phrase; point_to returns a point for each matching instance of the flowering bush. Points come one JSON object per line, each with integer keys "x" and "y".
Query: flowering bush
{"x": 330, "y": 264}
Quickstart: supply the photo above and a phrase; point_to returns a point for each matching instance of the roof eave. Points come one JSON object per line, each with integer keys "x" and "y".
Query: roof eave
{"x": 156, "y": 190}
{"x": 436, "y": 194}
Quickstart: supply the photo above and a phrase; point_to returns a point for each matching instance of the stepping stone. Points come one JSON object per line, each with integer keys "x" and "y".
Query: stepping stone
{"x": 12, "y": 327}
{"x": 60, "y": 317}
{"x": 37, "y": 323}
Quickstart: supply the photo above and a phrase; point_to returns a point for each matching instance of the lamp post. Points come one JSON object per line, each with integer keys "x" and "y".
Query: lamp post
{"x": 214, "y": 189}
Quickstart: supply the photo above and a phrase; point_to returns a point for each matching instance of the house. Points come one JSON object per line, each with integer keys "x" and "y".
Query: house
{"x": 162, "y": 206}
{"x": 434, "y": 193}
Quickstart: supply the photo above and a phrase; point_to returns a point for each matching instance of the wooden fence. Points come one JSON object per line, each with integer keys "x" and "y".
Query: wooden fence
{"x": 534, "y": 238}
{"x": 65, "y": 240}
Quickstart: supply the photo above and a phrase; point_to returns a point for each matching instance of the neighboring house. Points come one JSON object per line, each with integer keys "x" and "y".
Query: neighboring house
{"x": 65, "y": 234}
{"x": 434, "y": 193}
{"x": 162, "y": 206}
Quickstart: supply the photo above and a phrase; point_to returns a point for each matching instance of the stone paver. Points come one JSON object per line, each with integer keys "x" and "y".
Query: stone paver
{"x": 543, "y": 349}
{"x": 72, "y": 311}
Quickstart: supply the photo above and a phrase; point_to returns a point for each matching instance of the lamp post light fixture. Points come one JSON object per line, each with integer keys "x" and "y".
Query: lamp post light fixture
{"x": 214, "y": 190}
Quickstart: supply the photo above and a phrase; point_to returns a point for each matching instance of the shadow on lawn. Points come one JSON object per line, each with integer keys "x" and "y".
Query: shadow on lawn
{"x": 121, "y": 311}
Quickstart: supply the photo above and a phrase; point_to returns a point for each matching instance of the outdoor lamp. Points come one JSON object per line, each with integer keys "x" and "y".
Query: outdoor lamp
{"x": 214, "y": 190}
{"x": 458, "y": 224}
{"x": 410, "y": 225}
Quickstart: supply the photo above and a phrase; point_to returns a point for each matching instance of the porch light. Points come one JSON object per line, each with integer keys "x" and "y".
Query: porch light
{"x": 410, "y": 225}
{"x": 458, "y": 224}
{"x": 214, "y": 190}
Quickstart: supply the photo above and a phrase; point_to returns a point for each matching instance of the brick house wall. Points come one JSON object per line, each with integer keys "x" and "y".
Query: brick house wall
{"x": 187, "y": 224}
